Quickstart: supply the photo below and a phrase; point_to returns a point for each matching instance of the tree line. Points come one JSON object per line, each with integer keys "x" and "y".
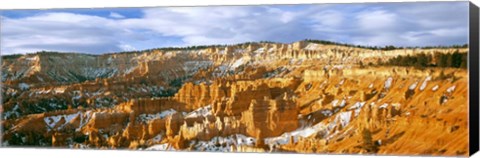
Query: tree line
{"x": 384, "y": 48}
{"x": 453, "y": 60}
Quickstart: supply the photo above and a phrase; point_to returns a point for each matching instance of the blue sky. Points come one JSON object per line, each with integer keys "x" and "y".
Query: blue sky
{"x": 99, "y": 31}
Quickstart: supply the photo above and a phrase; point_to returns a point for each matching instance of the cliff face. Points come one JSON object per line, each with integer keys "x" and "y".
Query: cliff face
{"x": 260, "y": 97}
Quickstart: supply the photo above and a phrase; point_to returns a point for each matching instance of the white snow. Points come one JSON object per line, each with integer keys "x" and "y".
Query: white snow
{"x": 23, "y": 86}
{"x": 344, "y": 118}
{"x": 259, "y": 50}
{"x": 388, "y": 82}
{"x": 312, "y": 46}
{"x": 224, "y": 144}
{"x": 237, "y": 63}
{"x": 383, "y": 106}
{"x": 270, "y": 50}
{"x": 435, "y": 88}
{"x": 451, "y": 89}
{"x": 7, "y": 114}
{"x": 163, "y": 147}
{"x": 221, "y": 52}
{"x": 334, "y": 103}
{"x": 130, "y": 69}
{"x": 357, "y": 105}
{"x": 343, "y": 103}
{"x": 91, "y": 72}
{"x": 52, "y": 121}
{"x": 413, "y": 86}
{"x": 396, "y": 105}
{"x": 84, "y": 119}
{"x": 16, "y": 107}
{"x": 357, "y": 111}
{"x": 157, "y": 138}
{"x": 305, "y": 132}
{"x": 203, "y": 111}
{"x": 424, "y": 84}
{"x": 370, "y": 86}
{"x": 169, "y": 54}
{"x": 238, "y": 50}
{"x": 327, "y": 113}
{"x": 35, "y": 58}
{"x": 163, "y": 114}
{"x": 194, "y": 66}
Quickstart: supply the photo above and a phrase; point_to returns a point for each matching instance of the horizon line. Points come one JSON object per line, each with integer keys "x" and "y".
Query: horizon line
{"x": 192, "y": 47}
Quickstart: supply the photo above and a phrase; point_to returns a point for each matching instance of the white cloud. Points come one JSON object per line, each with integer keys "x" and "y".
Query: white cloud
{"x": 376, "y": 20}
{"x": 327, "y": 19}
{"x": 285, "y": 16}
{"x": 60, "y": 32}
{"x": 126, "y": 47}
{"x": 215, "y": 25}
{"x": 116, "y": 15}
{"x": 413, "y": 24}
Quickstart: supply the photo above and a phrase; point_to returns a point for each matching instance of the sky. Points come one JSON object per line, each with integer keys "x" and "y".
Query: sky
{"x": 106, "y": 30}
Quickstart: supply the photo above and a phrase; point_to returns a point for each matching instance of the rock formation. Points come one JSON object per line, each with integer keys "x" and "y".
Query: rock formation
{"x": 255, "y": 97}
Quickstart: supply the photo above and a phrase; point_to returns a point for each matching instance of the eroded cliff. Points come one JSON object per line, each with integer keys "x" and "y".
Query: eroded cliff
{"x": 260, "y": 97}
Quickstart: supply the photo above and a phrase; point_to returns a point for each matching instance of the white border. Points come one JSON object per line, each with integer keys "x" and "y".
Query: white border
{"x": 47, "y": 4}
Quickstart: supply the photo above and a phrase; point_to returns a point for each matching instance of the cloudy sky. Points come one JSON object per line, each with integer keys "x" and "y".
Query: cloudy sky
{"x": 99, "y": 31}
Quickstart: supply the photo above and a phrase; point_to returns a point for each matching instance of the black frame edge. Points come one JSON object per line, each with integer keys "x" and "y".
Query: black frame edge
{"x": 473, "y": 79}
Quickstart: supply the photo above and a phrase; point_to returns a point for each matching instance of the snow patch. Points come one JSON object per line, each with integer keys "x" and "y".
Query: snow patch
{"x": 344, "y": 118}
{"x": 383, "y": 106}
{"x": 396, "y": 105}
{"x": 357, "y": 105}
{"x": 334, "y": 103}
{"x": 52, "y": 121}
{"x": 413, "y": 86}
{"x": 270, "y": 50}
{"x": 23, "y": 86}
{"x": 84, "y": 120}
{"x": 425, "y": 82}
{"x": 304, "y": 132}
{"x": 259, "y": 50}
{"x": 35, "y": 58}
{"x": 388, "y": 83}
{"x": 327, "y": 113}
{"x": 160, "y": 115}
{"x": 203, "y": 111}
{"x": 237, "y": 63}
{"x": 157, "y": 138}
{"x": 162, "y": 147}
{"x": 435, "y": 88}
{"x": 342, "y": 104}
{"x": 224, "y": 144}
{"x": 370, "y": 86}
{"x": 221, "y": 52}
{"x": 312, "y": 46}
{"x": 451, "y": 89}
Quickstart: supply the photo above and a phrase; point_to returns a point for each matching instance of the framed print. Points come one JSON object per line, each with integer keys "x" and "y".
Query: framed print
{"x": 357, "y": 78}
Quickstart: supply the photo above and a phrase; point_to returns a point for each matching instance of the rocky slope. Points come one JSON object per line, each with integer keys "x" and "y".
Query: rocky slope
{"x": 257, "y": 97}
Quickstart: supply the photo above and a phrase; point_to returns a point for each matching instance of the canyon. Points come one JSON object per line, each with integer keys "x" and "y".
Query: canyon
{"x": 303, "y": 97}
